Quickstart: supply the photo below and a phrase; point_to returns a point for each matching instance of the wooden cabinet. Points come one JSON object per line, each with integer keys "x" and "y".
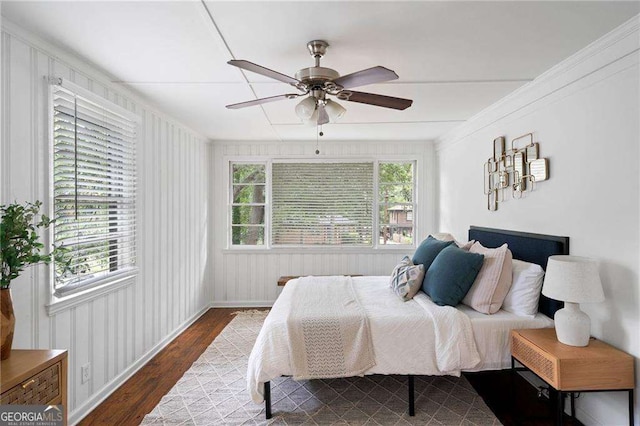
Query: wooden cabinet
{"x": 35, "y": 377}
{"x": 598, "y": 367}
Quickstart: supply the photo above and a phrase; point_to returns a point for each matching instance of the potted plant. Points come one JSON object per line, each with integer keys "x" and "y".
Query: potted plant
{"x": 20, "y": 247}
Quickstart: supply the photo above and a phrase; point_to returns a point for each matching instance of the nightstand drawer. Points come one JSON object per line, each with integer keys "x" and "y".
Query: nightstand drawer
{"x": 534, "y": 359}
{"x": 41, "y": 389}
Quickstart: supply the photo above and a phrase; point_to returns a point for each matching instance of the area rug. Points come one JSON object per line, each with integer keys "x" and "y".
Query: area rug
{"x": 213, "y": 392}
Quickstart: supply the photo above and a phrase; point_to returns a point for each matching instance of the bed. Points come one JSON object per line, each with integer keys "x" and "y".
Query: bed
{"x": 473, "y": 341}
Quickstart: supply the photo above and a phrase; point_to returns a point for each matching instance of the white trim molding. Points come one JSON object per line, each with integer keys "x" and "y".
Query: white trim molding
{"x": 614, "y": 47}
{"x": 82, "y": 411}
{"x": 243, "y": 304}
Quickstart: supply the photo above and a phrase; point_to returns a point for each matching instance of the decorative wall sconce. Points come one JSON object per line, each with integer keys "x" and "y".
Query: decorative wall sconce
{"x": 517, "y": 168}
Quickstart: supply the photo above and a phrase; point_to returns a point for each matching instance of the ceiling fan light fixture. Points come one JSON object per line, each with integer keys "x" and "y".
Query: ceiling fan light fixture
{"x": 306, "y": 108}
{"x": 313, "y": 120}
{"x": 335, "y": 110}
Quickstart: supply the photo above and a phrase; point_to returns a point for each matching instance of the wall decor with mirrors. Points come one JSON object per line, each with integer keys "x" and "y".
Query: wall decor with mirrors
{"x": 513, "y": 171}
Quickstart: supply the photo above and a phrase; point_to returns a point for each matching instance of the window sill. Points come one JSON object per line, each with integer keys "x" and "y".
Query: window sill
{"x": 61, "y": 304}
{"x": 321, "y": 250}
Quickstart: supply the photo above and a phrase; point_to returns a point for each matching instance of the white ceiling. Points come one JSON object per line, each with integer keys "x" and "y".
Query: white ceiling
{"x": 453, "y": 58}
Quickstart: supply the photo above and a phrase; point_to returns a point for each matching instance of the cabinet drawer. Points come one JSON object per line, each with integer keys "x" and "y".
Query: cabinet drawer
{"x": 40, "y": 389}
{"x": 536, "y": 360}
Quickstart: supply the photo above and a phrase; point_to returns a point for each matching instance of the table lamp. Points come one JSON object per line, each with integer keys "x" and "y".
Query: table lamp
{"x": 573, "y": 280}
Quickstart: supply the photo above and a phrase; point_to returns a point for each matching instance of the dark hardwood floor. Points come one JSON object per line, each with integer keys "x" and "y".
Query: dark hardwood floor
{"x": 142, "y": 392}
{"x": 138, "y": 395}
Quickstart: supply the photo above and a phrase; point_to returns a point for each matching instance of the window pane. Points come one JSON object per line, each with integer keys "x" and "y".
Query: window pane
{"x": 395, "y": 214}
{"x": 395, "y": 172}
{"x": 247, "y": 215}
{"x": 247, "y": 235}
{"x": 395, "y": 203}
{"x": 395, "y": 193}
{"x": 248, "y": 186}
{"x": 248, "y": 194}
{"x": 94, "y": 190}
{"x": 396, "y": 234}
{"x": 248, "y": 173}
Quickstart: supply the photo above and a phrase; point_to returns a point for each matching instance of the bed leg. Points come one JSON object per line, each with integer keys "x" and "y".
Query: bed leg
{"x": 267, "y": 400}
{"x": 412, "y": 404}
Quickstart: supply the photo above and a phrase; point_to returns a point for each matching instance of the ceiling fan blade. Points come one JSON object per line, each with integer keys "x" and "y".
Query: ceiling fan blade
{"x": 373, "y": 99}
{"x": 263, "y": 100}
{"x": 323, "y": 117}
{"x": 369, "y": 76}
{"x": 250, "y": 66}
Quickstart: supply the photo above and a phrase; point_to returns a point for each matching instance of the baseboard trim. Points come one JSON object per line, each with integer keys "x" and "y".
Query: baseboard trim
{"x": 79, "y": 413}
{"x": 243, "y": 304}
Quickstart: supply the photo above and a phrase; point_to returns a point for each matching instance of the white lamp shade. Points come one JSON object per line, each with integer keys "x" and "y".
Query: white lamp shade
{"x": 334, "y": 110}
{"x": 313, "y": 120}
{"x": 306, "y": 108}
{"x": 572, "y": 279}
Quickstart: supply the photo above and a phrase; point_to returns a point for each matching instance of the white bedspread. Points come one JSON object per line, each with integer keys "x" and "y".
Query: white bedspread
{"x": 414, "y": 337}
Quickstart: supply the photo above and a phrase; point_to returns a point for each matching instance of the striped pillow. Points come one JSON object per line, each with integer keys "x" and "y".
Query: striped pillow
{"x": 406, "y": 279}
{"x": 493, "y": 281}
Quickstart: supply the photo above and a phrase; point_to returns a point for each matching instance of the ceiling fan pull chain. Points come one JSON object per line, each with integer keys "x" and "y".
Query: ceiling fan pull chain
{"x": 318, "y": 133}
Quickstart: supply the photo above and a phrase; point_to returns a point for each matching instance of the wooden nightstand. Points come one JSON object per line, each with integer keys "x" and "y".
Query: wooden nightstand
{"x": 598, "y": 367}
{"x": 35, "y": 377}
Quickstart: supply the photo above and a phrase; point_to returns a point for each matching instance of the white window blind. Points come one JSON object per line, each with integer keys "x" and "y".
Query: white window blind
{"x": 322, "y": 204}
{"x": 94, "y": 190}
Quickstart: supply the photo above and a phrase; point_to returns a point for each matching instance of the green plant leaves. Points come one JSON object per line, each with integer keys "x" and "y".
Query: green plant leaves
{"x": 19, "y": 241}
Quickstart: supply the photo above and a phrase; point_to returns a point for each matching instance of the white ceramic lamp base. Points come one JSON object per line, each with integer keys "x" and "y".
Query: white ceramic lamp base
{"x": 573, "y": 327}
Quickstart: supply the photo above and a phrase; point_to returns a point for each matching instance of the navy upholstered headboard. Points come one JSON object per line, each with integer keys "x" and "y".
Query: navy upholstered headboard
{"x": 534, "y": 248}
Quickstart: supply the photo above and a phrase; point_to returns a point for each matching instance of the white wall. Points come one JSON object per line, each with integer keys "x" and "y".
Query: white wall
{"x": 249, "y": 278}
{"x": 116, "y": 332}
{"x": 585, "y": 114}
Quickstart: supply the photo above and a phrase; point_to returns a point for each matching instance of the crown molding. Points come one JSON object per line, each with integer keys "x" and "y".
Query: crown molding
{"x": 610, "y": 48}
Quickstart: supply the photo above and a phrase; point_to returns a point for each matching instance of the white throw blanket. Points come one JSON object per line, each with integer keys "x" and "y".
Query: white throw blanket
{"x": 455, "y": 345}
{"x": 415, "y": 337}
{"x": 328, "y": 330}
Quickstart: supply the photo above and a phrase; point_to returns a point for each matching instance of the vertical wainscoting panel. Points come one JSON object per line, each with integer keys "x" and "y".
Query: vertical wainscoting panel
{"x": 249, "y": 278}
{"x": 117, "y": 332}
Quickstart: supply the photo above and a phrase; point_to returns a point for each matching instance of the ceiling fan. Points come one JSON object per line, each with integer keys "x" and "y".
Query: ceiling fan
{"x": 319, "y": 82}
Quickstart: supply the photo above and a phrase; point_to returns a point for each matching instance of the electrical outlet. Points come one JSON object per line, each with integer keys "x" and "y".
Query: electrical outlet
{"x": 85, "y": 372}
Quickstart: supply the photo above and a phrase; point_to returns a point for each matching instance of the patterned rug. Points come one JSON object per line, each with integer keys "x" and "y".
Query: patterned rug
{"x": 213, "y": 392}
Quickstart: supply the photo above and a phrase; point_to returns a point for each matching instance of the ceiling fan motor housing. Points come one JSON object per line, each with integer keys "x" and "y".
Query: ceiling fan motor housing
{"x": 316, "y": 78}
{"x": 313, "y": 77}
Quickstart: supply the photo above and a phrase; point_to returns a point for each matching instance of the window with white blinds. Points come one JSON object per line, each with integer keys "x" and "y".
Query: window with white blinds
{"x": 322, "y": 204}
{"x": 94, "y": 190}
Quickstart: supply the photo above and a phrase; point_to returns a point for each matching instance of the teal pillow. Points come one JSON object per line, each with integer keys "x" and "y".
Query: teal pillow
{"x": 451, "y": 275}
{"x": 428, "y": 250}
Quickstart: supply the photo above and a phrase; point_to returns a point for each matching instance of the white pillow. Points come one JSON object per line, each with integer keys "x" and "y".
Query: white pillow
{"x": 445, "y": 236}
{"x": 522, "y": 299}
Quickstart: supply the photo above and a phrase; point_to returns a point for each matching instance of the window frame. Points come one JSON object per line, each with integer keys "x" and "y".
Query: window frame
{"x": 414, "y": 202}
{"x": 230, "y": 204}
{"x": 416, "y": 160}
{"x": 94, "y": 286}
